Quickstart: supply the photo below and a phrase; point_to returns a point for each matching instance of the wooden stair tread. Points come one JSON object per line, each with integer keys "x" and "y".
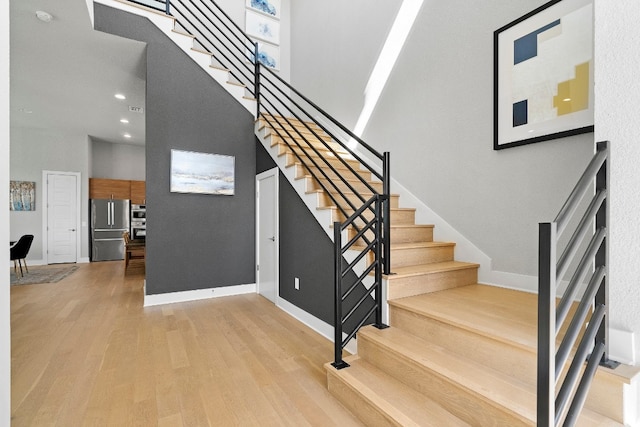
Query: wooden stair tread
{"x": 435, "y": 267}
{"x": 492, "y": 386}
{"x": 400, "y": 403}
{"x": 414, "y": 245}
{"x": 366, "y": 195}
{"x": 411, "y": 226}
{"x": 504, "y": 314}
{"x": 392, "y": 209}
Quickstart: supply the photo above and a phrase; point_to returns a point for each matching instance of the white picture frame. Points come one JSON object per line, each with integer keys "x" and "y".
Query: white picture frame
{"x": 270, "y": 8}
{"x": 262, "y": 27}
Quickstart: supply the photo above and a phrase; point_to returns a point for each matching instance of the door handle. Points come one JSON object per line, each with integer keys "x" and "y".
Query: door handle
{"x": 72, "y": 229}
{"x": 273, "y": 239}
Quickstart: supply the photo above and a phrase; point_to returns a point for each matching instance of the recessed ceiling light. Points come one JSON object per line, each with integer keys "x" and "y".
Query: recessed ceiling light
{"x": 126, "y": 135}
{"x": 44, "y": 16}
{"x": 124, "y": 121}
{"x": 120, "y": 96}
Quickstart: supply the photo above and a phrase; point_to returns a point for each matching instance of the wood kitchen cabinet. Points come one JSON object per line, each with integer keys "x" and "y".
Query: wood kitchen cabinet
{"x": 138, "y": 196}
{"x": 100, "y": 188}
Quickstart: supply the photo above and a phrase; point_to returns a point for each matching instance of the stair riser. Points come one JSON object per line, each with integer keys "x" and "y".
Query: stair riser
{"x": 306, "y": 151}
{"x": 368, "y": 413}
{"x": 274, "y": 139}
{"x": 403, "y": 234}
{"x": 454, "y": 397}
{"x": 312, "y": 184}
{"x": 411, "y": 235}
{"x": 401, "y": 217}
{"x": 430, "y": 282}
{"x": 289, "y": 122}
{"x": 302, "y": 171}
{"x": 324, "y": 200}
{"x": 290, "y": 132}
{"x": 335, "y": 163}
{"x": 417, "y": 256}
{"x": 503, "y": 357}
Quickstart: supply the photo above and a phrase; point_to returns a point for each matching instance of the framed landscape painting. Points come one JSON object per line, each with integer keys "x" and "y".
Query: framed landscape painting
{"x": 203, "y": 173}
{"x": 543, "y": 74}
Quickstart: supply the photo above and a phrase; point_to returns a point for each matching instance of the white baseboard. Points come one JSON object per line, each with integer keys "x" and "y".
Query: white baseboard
{"x": 320, "y": 326}
{"x": 197, "y": 294}
{"x": 622, "y": 346}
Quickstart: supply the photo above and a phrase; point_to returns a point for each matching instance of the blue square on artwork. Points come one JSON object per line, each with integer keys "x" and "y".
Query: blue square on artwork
{"x": 520, "y": 113}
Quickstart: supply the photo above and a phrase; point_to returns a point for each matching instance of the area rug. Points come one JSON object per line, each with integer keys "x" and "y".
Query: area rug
{"x": 43, "y": 274}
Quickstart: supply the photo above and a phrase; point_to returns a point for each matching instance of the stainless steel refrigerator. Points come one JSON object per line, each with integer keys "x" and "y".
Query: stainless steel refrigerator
{"x": 109, "y": 219}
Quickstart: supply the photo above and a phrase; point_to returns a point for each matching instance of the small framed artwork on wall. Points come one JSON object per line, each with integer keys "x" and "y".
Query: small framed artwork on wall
{"x": 543, "y": 74}
{"x": 262, "y": 27}
{"x": 268, "y": 7}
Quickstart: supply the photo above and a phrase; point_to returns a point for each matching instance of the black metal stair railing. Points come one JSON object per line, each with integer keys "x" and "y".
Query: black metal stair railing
{"x": 564, "y": 405}
{"x": 322, "y": 147}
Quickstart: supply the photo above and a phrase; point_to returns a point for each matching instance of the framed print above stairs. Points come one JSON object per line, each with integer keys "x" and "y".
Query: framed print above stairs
{"x": 543, "y": 74}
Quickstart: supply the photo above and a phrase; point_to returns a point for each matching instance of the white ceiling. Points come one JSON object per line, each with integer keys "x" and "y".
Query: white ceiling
{"x": 66, "y": 74}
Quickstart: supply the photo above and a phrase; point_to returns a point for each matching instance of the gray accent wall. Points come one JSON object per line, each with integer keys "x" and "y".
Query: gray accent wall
{"x": 194, "y": 241}
{"x": 435, "y": 117}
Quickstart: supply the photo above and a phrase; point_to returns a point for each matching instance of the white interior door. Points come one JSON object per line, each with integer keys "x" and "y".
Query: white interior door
{"x": 62, "y": 220}
{"x": 267, "y": 234}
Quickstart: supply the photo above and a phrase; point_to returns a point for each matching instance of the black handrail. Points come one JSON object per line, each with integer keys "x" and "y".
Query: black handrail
{"x": 573, "y": 389}
{"x": 324, "y": 152}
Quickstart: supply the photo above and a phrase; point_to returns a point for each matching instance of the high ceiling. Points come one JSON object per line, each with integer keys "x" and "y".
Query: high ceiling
{"x": 64, "y": 75}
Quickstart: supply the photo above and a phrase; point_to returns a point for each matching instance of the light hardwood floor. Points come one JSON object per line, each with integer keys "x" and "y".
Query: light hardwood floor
{"x": 85, "y": 352}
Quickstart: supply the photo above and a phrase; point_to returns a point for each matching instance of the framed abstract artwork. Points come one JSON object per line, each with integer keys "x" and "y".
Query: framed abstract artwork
{"x": 262, "y": 27}
{"x": 203, "y": 173}
{"x": 543, "y": 74}
{"x": 268, "y": 7}
{"x": 268, "y": 55}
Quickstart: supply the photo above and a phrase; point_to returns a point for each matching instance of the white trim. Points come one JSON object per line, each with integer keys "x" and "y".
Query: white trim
{"x": 622, "y": 346}
{"x": 311, "y": 321}
{"x": 45, "y": 212}
{"x": 197, "y": 294}
{"x": 267, "y": 174}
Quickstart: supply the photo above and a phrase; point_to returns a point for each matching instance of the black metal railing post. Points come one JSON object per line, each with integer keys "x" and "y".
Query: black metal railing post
{"x": 378, "y": 272}
{"x": 168, "y": 7}
{"x": 546, "y": 324}
{"x": 386, "y": 191}
{"x": 338, "y": 363}
{"x": 256, "y": 83}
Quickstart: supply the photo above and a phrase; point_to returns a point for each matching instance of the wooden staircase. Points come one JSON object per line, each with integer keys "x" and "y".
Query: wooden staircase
{"x": 457, "y": 352}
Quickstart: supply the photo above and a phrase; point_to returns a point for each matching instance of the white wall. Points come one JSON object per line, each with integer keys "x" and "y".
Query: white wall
{"x": 334, "y": 47}
{"x": 617, "y": 120}
{"x": 435, "y": 117}
{"x": 117, "y": 161}
{"x": 5, "y": 323}
{"x": 35, "y": 150}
